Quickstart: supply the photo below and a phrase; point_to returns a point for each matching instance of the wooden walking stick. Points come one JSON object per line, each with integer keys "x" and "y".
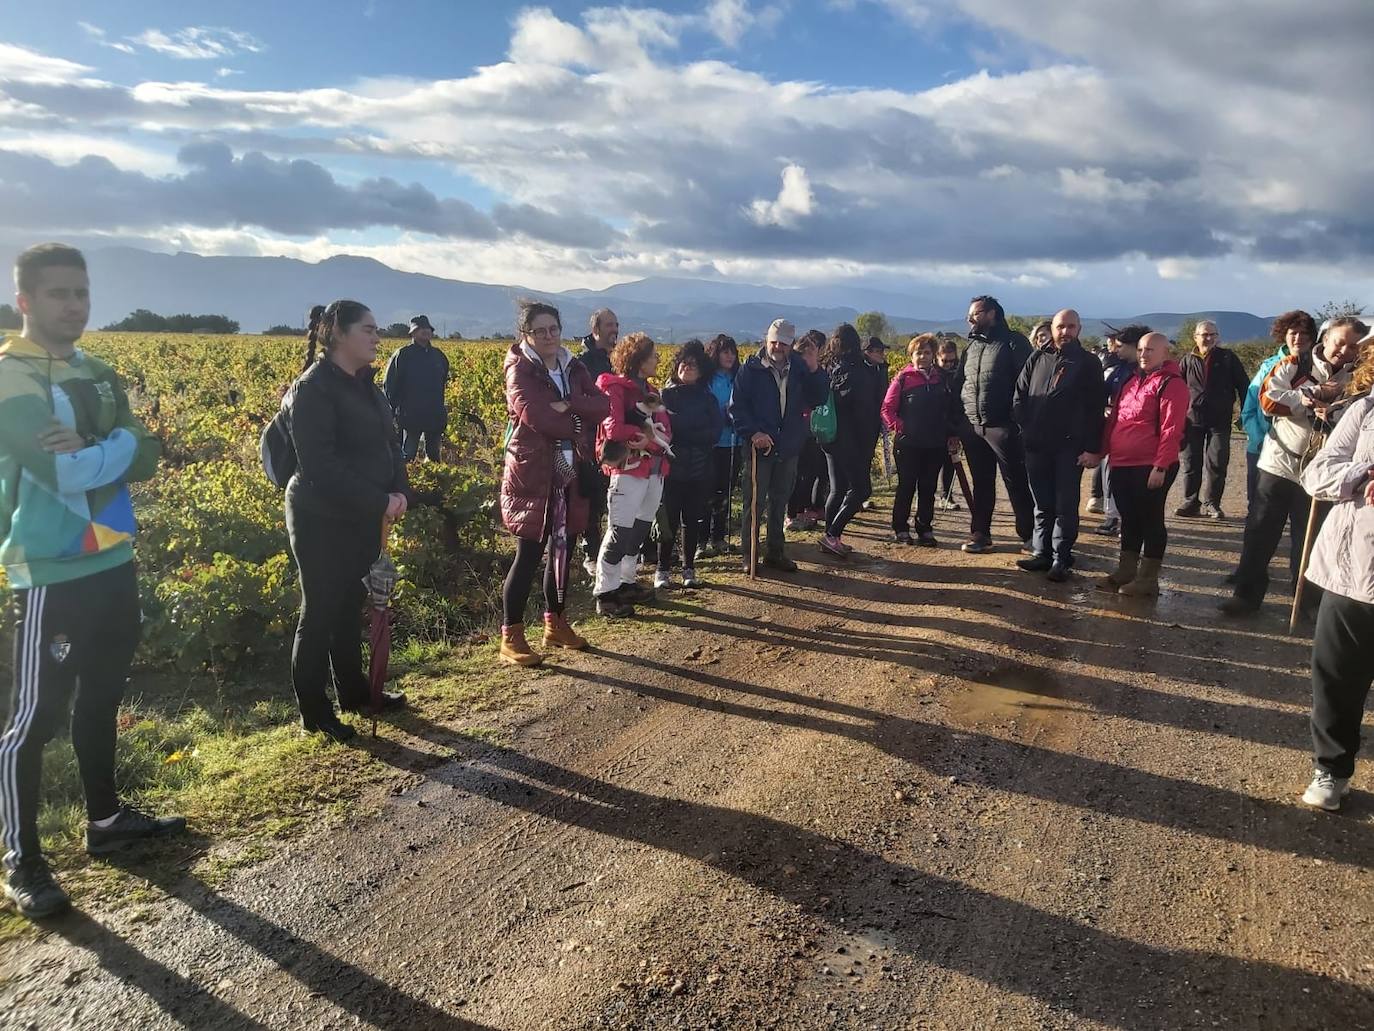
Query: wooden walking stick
{"x": 753, "y": 511}
{"x": 1307, "y": 540}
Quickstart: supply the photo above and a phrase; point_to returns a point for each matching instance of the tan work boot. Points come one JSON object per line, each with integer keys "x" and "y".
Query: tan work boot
{"x": 1146, "y": 582}
{"x": 559, "y": 634}
{"x": 515, "y": 649}
{"x": 1126, "y": 564}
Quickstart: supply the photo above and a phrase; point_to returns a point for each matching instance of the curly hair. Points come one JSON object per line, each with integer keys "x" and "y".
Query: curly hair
{"x": 720, "y": 342}
{"x": 1296, "y": 319}
{"x": 844, "y": 342}
{"x": 693, "y": 352}
{"x": 630, "y": 352}
{"x": 922, "y": 340}
{"x": 1044, "y": 324}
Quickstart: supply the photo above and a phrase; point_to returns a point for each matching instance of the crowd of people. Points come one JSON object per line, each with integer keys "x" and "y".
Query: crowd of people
{"x": 595, "y": 452}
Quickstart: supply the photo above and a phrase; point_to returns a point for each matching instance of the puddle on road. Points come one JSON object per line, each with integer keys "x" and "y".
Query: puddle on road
{"x": 1023, "y": 693}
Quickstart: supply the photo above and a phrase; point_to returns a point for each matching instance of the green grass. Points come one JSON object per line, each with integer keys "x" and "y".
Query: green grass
{"x": 236, "y": 763}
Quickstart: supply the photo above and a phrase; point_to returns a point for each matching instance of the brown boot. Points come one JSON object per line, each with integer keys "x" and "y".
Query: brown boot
{"x": 1146, "y": 582}
{"x": 1124, "y": 573}
{"x": 558, "y": 634}
{"x": 515, "y": 649}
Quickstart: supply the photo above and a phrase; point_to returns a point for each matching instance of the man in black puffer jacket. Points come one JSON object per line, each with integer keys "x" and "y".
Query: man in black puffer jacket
{"x": 987, "y": 380}
{"x": 1060, "y": 404}
{"x": 1217, "y": 382}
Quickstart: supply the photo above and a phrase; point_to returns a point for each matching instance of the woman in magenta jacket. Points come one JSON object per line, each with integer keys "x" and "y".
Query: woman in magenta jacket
{"x": 1142, "y": 438}
{"x": 554, "y": 409}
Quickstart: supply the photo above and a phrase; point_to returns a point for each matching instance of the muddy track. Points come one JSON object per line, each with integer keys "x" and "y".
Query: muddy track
{"x": 916, "y": 789}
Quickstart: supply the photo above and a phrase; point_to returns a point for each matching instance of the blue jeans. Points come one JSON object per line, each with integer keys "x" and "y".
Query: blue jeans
{"x": 1056, "y": 480}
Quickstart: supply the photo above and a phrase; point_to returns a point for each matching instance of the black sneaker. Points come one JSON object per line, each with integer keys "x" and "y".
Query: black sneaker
{"x": 977, "y": 545}
{"x": 927, "y": 540}
{"x": 34, "y": 892}
{"x": 902, "y": 537}
{"x": 1038, "y": 564}
{"x": 1109, "y": 528}
{"x": 131, "y": 825}
{"x": 781, "y": 563}
{"x": 612, "y": 607}
{"x": 334, "y": 728}
{"x": 1059, "y": 572}
{"x": 1238, "y": 605}
{"x": 1213, "y": 512}
{"x": 1189, "y": 510}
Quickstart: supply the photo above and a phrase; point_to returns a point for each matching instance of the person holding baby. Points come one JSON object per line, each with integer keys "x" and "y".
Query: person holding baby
{"x": 634, "y": 444}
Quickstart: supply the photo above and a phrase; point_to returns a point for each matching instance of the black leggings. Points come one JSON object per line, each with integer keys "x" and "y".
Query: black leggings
{"x": 812, "y": 487}
{"x": 333, "y": 556}
{"x": 851, "y": 484}
{"x": 726, "y": 465}
{"x": 1142, "y": 509}
{"x": 682, "y": 504}
{"x": 515, "y": 592}
{"x": 917, "y": 472}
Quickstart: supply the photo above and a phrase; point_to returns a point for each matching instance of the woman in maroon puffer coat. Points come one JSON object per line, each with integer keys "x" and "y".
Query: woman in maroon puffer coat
{"x": 554, "y": 409}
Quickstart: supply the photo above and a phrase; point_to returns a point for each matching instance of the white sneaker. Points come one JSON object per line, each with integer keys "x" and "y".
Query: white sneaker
{"x": 689, "y": 578}
{"x": 1094, "y": 505}
{"x": 1326, "y": 791}
{"x": 590, "y": 566}
{"x": 662, "y": 580}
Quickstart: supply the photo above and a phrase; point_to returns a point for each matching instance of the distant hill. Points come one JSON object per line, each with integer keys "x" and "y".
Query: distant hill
{"x": 259, "y": 292}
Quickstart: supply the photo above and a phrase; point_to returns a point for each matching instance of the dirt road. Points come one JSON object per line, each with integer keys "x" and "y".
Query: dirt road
{"x": 914, "y": 790}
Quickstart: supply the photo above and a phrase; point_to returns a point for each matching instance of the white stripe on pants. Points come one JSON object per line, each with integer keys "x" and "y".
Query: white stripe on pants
{"x": 21, "y": 720}
{"x": 631, "y": 504}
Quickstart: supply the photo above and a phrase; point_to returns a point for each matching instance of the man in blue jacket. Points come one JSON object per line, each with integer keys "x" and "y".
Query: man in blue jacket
{"x": 772, "y": 390}
{"x": 414, "y": 385}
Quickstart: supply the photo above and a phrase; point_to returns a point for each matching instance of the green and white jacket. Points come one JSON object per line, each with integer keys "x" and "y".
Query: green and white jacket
{"x": 63, "y": 517}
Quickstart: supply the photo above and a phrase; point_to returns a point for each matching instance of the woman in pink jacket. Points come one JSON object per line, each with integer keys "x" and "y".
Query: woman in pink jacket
{"x": 919, "y": 411}
{"x": 1141, "y": 440}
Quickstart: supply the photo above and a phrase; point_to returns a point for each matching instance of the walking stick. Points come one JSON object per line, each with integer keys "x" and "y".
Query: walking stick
{"x": 1307, "y": 539}
{"x": 753, "y": 511}
{"x": 963, "y": 482}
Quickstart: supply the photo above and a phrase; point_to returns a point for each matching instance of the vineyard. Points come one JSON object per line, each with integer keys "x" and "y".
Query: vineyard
{"x": 218, "y": 586}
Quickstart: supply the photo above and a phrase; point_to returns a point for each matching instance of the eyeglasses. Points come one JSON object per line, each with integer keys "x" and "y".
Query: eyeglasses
{"x": 547, "y": 332}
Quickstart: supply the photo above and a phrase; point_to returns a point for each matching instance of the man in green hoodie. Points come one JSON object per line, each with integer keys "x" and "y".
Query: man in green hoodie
{"x": 68, "y": 448}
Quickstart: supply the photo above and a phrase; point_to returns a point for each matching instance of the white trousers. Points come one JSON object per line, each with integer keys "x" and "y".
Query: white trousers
{"x": 631, "y": 505}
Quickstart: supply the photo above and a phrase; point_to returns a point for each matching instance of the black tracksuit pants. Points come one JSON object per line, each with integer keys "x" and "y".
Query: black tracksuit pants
{"x": 990, "y": 450}
{"x": 1277, "y": 503}
{"x": 851, "y": 483}
{"x": 333, "y": 556}
{"x": 1208, "y": 450}
{"x": 1142, "y": 510}
{"x": 918, "y": 473}
{"x": 1342, "y": 671}
{"x": 726, "y": 465}
{"x": 76, "y": 637}
{"x": 683, "y": 501}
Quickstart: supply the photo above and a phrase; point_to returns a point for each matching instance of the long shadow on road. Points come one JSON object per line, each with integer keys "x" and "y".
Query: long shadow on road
{"x": 1074, "y": 967}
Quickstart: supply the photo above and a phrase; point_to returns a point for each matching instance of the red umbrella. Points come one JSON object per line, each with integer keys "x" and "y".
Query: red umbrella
{"x": 380, "y": 581}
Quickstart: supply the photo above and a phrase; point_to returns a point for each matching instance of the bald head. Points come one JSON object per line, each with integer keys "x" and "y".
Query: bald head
{"x": 1065, "y": 327}
{"x": 1154, "y": 351}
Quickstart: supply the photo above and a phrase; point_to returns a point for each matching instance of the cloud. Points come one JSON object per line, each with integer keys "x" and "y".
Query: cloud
{"x": 794, "y": 201}
{"x": 22, "y": 65}
{"x": 612, "y": 138}
{"x": 198, "y": 43}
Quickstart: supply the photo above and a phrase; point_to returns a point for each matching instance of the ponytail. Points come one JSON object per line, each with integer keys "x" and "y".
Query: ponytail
{"x": 316, "y": 318}
{"x": 323, "y": 321}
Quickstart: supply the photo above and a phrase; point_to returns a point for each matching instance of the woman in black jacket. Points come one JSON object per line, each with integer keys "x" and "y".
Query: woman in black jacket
{"x": 350, "y": 481}
{"x": 857, "y": 389}
{"x": 697, "y": 422}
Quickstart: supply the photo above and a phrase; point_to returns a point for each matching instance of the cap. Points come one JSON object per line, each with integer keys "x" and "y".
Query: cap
{"x": 419, "y": 322}
{"x": 781, "y": 330}
{"x": 874, "y": 344}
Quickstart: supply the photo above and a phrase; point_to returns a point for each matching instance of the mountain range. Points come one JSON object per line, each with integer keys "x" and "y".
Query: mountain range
{"x": 259, "y": 292}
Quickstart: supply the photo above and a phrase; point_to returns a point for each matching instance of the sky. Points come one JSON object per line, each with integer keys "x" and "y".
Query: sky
{"x": 1109, "y": 155}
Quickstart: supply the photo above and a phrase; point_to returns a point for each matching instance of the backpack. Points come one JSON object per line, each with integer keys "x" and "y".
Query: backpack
{"x": 277, "y": 451}
{"x": 824, "y": 425}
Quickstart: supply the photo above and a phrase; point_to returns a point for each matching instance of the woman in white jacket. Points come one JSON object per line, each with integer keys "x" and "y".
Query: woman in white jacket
{"x": 1343, "y": 566}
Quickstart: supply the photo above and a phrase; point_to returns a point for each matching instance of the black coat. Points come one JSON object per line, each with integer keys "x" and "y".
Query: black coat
{"x": 1061, "y": 400}
{"x": 988, "y": 373}
{"x": 349, "y": 458}
{"x": 596, "y": 359}
{"x": 414, "y": 384}
{"x": 857, "y": 387}
{"x": 696, "y": 419}
{"x": 1214, "y": 393}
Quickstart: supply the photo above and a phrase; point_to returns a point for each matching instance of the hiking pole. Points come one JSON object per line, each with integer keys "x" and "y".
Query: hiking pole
{"x": 753, "y": 511}
{"x": 963, "y": 482}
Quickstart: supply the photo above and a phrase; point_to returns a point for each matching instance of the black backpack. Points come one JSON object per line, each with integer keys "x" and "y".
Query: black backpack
{"x": 276, "y": 449}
